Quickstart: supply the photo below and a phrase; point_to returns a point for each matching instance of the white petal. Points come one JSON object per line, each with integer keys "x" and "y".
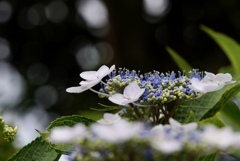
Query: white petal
{"x": 220, "y": 138}
{"x": 196, "y": 85}
{"x": 118, "y": 99}
{"x": 121, "y": 131}
{"x": 133, "y": 92}
{"x": 222, "y": 78}
{"x": 111, "y": 69}
{"x": 174, "y": 123}
{"x": 167, "y": 146}
{"x": 89, "y": 75}
{"x": 190, "y": 127}
{"x": 185, "y": 127}
{"x": 109, "y": 118}
{"x": 89, "y": 84}
{"x": 204, "y": 87}
{"x": 210, "y": 76}
{"x": 102, "y": 71}
{"x": 156, "y": 130}
{"x": 77, "y": 89}
{"x": 210, "y": 87}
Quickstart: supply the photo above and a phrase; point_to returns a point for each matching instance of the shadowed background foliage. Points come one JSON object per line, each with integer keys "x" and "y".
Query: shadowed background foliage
{"x": 44, "y": 45}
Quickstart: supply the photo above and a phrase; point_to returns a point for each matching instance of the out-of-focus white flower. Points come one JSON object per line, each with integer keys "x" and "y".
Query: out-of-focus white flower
{"x": 64, "y": 158}
{"x": 161, "y": 139}
{"x": 118, "y": 132}
{"x": 167, "y": 146}
{"x": 171, "y": 138}
{"x": 184, "y": 127}
{"x": 67, "y": 134}
{"x": 91, "y": 79}
{"x": 222, "y": 138}
{"x": 131, "y": 93}
{"x": 109, "y": 118}
{"x": 210, "y": 82}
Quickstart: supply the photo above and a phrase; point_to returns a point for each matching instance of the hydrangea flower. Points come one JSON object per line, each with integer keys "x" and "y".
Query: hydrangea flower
{"x": 223, "y": 138}
{"x": 109, "y": 118}
{"x": 173, "y": 137}
{"x": 159, "y": 88}
{"x": 131, "y": 93}
{"x": 210, "y": 82}
{"x": 91, "y": 79}
{"x": 183, "y": 127}
{"x": 118, "y": 132}
{"x": 67, "y": 134}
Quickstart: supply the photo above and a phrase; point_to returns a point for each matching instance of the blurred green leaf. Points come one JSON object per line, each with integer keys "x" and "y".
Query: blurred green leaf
{"x": 37, "y": 150}
{"x": 212, "y": 120}
{"x": 230, "y": 47}
{"x": 94, "y": 115}
{"x": 230, "y": 114}
{"x": 210, "y": 157}
{"x": 181, "y": 63}
{"x": 207, "y": 105}
{"x": 6, "y": 150}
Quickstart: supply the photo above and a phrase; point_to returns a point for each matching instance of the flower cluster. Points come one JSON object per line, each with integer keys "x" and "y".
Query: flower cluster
{"x": 160, "y": 93}
{"x": 159, "y": 88}
{"x": 144, "y": 128}
{"x": 113, "y": 138}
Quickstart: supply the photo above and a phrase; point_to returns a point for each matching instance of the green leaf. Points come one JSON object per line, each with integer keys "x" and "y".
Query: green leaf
{"x": 37, "y": 150}
{"x": 64, "y": 121}
{"x": 230, "y": 115}
{"x": 207, "y": 105}
{"x": 228, "y": 94}
{"x": 230, "y": 47}
{"x": 212, "y": 120}
{"x": 107, "y": 108}
{"x": 181, "y": 63}
{"x": 210, "y": 157}
{"x": 69, "y": 121}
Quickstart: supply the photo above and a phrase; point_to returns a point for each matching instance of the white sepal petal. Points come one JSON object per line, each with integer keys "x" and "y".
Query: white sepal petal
{"x": 109, "y": 118}
{"x": 119, "y": 99}
{"x": 77, "y": 89}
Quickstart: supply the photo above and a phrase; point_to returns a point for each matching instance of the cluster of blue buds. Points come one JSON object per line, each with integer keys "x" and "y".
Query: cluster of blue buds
{"x": 160, "y": 88}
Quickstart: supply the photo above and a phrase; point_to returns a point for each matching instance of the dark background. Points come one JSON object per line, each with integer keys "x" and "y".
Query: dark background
{"x": 50, "y": 43}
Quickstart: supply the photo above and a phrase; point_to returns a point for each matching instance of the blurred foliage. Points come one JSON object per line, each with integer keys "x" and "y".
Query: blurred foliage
{"x": 6, "y": 149}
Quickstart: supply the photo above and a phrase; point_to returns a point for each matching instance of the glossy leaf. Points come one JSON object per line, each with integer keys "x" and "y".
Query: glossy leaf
{"x": 37, "y": 150}
{"x": 69, "y": 121}
{"x": 230, "y": 47}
